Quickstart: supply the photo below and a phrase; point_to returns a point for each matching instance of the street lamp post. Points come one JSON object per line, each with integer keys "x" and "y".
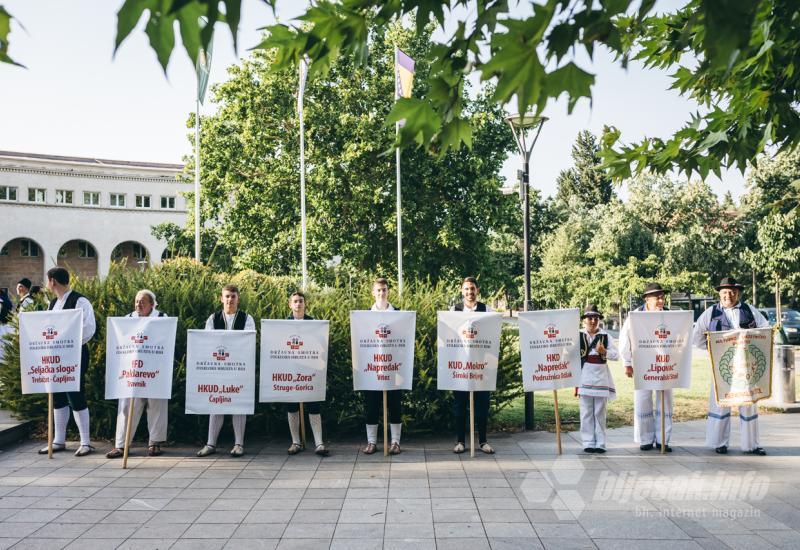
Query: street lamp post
{"x": 523, "y": 127}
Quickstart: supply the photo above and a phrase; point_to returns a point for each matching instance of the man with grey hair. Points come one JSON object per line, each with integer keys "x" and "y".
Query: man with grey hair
{"x": 144, "y": 306}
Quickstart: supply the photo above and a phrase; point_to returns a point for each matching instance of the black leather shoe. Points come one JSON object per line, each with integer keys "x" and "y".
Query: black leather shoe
{"x": 589, "y": 450}
{"x": 722, "y": 450}
{"x": 668, "y": 448}
{"x": 758, "y": 451}
{"x": 648, "y": 447}
{"x": 599, "y": 451}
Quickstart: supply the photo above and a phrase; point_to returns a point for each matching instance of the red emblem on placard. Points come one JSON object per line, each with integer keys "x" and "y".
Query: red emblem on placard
{"x": 470, "y": 332}
{"x": 550, "y": 331}
{"x": 294, "y": 342}
{"x": 383, "y": 331}
{"x": 662, "y": 332}
{"x": 50, "y": 333}
{"x": 221, "y": 354}
{"x": 139, "y": 338}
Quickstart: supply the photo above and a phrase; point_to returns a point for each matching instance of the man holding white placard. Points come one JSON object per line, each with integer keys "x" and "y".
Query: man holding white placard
{"x": 470, "y": 292}
{"x": 729, "y": 314}
{"x": 66, "y": 298}
{"x": 157, "y": 409}
{"x": 229, "y": 318}
{"x": 644, "y": 419}
{"x": 297, "y": 303}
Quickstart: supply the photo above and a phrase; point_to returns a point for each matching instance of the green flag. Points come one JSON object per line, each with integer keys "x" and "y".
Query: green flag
{"x": 203, "y": 69}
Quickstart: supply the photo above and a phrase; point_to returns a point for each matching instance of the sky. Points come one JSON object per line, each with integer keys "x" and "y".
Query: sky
{"x": 78, "y": 98}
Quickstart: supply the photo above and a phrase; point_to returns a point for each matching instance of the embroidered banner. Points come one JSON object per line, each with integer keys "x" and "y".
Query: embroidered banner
{"x": 741, "y": 361}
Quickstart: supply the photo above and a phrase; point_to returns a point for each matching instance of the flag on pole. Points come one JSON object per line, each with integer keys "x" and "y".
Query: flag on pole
{"x": 203, "y": 70}
{"x": 301, "y": 92}
{"x": 403, "y": 74}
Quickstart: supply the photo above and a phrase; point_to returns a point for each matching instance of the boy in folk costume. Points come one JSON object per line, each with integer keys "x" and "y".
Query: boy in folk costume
{"x": 297, "y": 303}
{"x": 597, "y": 385}
{"x": 374, "y": 399}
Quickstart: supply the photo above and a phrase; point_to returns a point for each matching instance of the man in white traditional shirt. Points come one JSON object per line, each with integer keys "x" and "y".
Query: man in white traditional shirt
{"x": 157, "y": 409}
{"x": 229, "y": 318}
{"x": 374, "y": 399}
{"x": 729, "y": 314}
{"x": 645, "y": 416}
{"x": 66, "y": 298}
{"x": 25, "y": 295}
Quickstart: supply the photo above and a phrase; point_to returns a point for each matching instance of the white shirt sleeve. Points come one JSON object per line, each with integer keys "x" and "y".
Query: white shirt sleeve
{"x": 210, "y": 322}
{"x": 700, "y": 328}
{"x": 250, "y": 324}
{"x": 89, "y": 325}
{"x": 625, "y": 348}
{"x": 761, "y": 321}
{"x": 612, "y": 353}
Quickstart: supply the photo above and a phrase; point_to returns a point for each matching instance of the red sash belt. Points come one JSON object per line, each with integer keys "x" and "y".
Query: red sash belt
{"x": 595, "y": 360}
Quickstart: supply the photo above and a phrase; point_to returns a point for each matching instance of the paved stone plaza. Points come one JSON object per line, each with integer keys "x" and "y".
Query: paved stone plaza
{"x": 423, "y": 499}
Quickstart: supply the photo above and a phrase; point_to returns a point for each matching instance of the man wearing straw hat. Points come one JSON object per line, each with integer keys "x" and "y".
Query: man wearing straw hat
{"x": 297, "y": 303}
{"x": 644, "y": 421}
{"x": 228, "y": 318}
{"x": 597, "y": 385}
{"x": 729, "y": 314}
{"x": 157, "y": 409}
{"x": 470, "y": 292}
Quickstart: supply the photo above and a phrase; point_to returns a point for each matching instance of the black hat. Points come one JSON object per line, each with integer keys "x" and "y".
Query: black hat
{"x": 653, "y": 288}
{"x": 25, "y": 282}
{"x": 728, "y": 282}
{"x": 591, "y": 311}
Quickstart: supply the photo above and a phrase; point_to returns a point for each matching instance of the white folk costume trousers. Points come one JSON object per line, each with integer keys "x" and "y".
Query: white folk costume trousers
{"x": 215, "y": 425}
{"x": 593, "y": 421}
{"x": 156, "y": 419}
{"x": 718, "y": 425}
{"x": 647, "y": 418}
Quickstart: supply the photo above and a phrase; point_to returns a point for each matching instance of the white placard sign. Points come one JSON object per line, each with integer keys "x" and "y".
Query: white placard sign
{"x": 468, "y": 348}
{"x": 741, "y": 361}
{"x": 50, "y": 350}
{"x": 550, "y": 348}
{"x": 382, "y": 344}
{"x": 661, "y": 345}
{"x": 140, "y": 353}
{"x": 294, "y": 361}
{"x": 220, "y": 372}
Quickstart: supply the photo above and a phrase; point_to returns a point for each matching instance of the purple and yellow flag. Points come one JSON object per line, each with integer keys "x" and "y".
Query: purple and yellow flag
{"x": 403, "y": 74}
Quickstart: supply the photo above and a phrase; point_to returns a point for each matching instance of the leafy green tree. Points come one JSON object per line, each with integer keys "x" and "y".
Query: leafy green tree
{"x": 453, "y": 210}
{"x": 587, "y": 181}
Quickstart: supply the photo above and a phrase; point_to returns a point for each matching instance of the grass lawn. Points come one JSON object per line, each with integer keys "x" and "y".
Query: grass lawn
{"x": 690, "y": 404}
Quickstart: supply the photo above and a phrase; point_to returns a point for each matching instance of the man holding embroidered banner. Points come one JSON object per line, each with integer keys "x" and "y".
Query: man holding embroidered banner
{"x": 739, "y": 341}
{"x": 382, "y": 343}
{"x": 655, "y": 345}
{"x": 139, "y": 358}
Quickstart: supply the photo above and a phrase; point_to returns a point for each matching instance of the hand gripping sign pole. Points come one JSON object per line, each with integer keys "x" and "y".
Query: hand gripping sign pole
{"x": 128, "y": 435}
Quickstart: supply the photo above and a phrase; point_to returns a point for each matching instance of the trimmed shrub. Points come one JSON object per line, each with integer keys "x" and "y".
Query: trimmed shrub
{"x": 191, "y": 292}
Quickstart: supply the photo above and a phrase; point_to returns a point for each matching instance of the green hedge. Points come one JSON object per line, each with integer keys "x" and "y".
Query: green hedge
{"x": 191, "y": 293}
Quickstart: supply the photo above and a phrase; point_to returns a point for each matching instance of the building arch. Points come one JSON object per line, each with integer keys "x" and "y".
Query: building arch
{"x": 131, "y": 254}
{"x": 79, "y": 257}
{"x": 21, "y": 257}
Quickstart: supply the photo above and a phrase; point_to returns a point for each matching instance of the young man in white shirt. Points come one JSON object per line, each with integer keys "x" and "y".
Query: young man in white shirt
{"x": 729, "y": 314}
{"x": 157, "y": 409}
{"x": 228, "y": 318}
{"x": 374, "y": 399}
{"x": 66, "y": 298}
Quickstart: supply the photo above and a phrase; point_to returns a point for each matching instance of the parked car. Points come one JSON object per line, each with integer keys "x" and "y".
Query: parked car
{"x": 790, "y": 321}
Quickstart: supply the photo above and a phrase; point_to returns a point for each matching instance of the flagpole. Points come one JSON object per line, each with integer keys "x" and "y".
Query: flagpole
{"x": 197, "y": 176}
{"x": 301, "y": 95}
{"x": 399, "y": 199}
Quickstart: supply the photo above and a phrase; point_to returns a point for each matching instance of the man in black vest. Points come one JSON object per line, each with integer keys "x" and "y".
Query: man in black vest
{"x": 470, "y": 292}
{"x": 228, "y": 318}
{"x": 66, "y": 298}
{"x": 25, "y": 294}
{"x": 297, "y": 303}
{"x": 730, "y": 313}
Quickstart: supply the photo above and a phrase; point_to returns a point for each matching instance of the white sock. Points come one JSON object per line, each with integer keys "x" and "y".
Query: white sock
{"x": 82, "y": 420}
{"x": 372, "y": 433}
{"x": 214, "y": 426}
{"x": 396, "y": 429}
{"x": 316, "y": 427}
{"x": 61, "y": 418}
{"x": 294, "y": 426}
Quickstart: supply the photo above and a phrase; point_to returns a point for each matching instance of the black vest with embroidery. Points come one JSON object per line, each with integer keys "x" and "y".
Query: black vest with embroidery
{"x": 480, "y": 306}
{"x": 69, "y": 303}
{"x": 587, "y": 346}
{"x": 238, "y": 322}
{"x": 720, "y": 322}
